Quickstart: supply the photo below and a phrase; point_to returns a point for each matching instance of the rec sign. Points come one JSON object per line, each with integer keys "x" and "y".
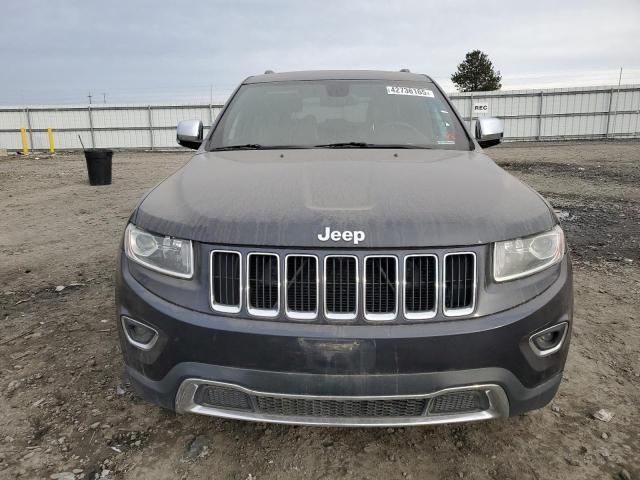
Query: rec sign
{"x": 480, "y": 108}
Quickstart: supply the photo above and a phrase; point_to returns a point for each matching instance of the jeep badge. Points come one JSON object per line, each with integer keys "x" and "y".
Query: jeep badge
{"x": 355, "y": 236}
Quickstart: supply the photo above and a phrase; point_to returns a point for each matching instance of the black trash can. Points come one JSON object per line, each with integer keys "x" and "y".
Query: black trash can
{"x": 99, "y": 165}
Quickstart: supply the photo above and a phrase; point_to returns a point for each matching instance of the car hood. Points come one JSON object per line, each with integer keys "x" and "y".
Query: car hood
{"x": 398, "y": 198}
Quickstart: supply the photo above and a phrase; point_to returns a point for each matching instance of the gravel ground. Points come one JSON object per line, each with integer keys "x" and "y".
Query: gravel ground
{"x": 66, "y": 413}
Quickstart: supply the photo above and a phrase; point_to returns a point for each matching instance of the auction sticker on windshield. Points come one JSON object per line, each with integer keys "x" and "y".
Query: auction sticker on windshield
{"x": 416, "y": 92}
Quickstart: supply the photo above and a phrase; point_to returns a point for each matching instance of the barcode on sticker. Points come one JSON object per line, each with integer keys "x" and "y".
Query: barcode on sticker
{"x": 416, "y": 92}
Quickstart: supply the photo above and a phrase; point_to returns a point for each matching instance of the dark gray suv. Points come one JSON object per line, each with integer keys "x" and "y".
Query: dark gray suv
{"x": 340, "y": 251}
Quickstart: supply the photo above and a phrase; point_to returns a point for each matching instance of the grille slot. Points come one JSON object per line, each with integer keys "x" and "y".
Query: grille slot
{"x": 302, "y": 286}
{"x": 302, "y": 407}
{"x": 381, "y": 287}
{"x": 222, "y": 397}
{"x": 459, "y": 283}
{"x": 226, "y": 285}
{"x": 421, "y": 286}
{"x": 459, "y": 402}
{"x": 341, "y": 287}
{"x": 263, "y": 284}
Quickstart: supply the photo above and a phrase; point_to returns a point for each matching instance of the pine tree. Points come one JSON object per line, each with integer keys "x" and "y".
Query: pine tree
{"x": 476, "y": 74}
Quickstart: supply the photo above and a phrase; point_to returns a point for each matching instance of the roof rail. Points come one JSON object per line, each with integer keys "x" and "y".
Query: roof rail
{"x": 267, "y": 72}
{"x": 405, "y": 70}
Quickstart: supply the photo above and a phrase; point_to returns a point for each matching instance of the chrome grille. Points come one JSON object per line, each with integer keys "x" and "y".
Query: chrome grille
{"x": 341, "y": 287}
{"x": 420, "y": 286}
{"x": 381, "y": 287}
{"x": 226, "y": 284}
{"x": 263, "y": 278}
{"x": 327, "y": 286}
{"x": 302, "y": 286}
{"x": 459, "y": 283}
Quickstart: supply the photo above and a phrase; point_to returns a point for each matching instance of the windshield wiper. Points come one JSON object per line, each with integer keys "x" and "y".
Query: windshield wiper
{"x": 257, "y": 146}
{"x": 246, "y": 146}
{"x": 402, "y": 145}
{"x": 346, "y": 145}
{"x": 369, "y": 145}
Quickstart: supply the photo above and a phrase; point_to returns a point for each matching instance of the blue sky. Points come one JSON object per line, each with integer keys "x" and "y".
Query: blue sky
{"x": 59, "y": 51}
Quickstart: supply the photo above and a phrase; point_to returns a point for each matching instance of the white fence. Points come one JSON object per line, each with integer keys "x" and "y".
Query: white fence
{"x": 107, "y": 125}
{"x": 529, "y": 115}
{"x": 560, "y": 113}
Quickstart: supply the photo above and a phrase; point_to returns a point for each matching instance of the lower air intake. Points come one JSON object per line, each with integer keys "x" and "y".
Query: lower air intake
{"x": 459, "y": 402}
{"x": 477, "y": 402}
{"x": 222, "y": 397}
{"x": 299, "y": 407}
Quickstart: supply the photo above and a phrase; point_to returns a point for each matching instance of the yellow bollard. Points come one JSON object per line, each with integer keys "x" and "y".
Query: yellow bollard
{"x": 52, "y": 148}
{"x": 25, "y": 145}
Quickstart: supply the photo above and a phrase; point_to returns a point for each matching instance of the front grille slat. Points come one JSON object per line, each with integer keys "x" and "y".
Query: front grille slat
{"x": 421, "y": 286}
{"x": 302, "y": 286}
{"x": 381, "y": 287}
{"x": 459, "y": 283}
{"x": 341, "y": 287}
{"x": 226, "y": 281}
{"x": 263, "y": 278}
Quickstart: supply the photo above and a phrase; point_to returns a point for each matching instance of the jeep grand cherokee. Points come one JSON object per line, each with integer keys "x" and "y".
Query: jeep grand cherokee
{"x": 339, "y": 250}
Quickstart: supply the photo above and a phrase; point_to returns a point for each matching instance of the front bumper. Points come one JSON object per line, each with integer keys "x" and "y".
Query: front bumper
{"x": 316, "y": 370}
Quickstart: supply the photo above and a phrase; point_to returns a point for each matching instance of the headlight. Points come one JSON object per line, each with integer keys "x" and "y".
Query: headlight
{"x": 525, "y": 256}
{"x": 168, "y": 255}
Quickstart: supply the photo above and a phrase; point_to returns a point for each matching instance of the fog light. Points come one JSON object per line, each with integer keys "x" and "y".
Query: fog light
{"x": 549, "y": 340}
{"x": 138, "y": 334}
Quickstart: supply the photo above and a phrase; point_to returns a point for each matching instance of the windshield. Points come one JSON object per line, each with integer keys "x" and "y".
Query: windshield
{"x": 339, "y": 114}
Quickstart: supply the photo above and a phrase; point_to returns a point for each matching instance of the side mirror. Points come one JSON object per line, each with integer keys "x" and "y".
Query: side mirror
{"x": 489, "y": 131}
{"x": 190, "y": 133}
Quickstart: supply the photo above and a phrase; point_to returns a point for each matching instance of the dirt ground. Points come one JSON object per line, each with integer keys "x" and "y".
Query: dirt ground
{"x": 66, "y": 413}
